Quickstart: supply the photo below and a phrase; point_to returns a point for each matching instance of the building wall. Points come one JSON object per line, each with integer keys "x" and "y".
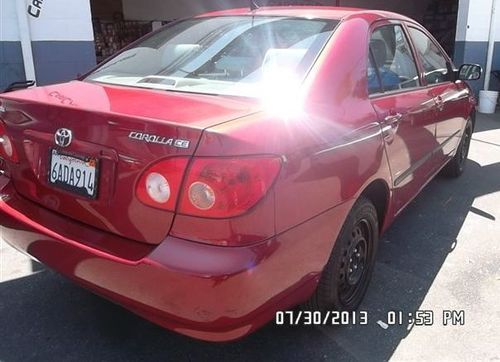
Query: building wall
{"x": 62, "y": 41}
{"x": 174, "y": 9}
{"x": 11, "y": 58}
{"x": 413, "y": 9}
{"x": 149, "y": 10}
{"x": 106, "y": 9}
{"x": 472, "y": 37}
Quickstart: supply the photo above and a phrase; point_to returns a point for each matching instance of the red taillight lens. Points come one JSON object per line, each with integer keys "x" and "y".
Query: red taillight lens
{"x": 160, "y": 184}
{"x": 227, "y": 187}
{"x": 7, "y": 149}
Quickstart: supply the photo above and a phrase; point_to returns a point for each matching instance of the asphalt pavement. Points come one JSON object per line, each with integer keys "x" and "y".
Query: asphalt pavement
{"x": 442, "y": 254}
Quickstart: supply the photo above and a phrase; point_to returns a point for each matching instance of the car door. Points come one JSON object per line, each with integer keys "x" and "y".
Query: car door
{"x": 405, "y": 109}
{"x": 438, "y": 75}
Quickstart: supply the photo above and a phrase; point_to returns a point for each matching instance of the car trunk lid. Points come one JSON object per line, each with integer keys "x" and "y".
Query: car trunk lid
{"x": 123, "y": 130}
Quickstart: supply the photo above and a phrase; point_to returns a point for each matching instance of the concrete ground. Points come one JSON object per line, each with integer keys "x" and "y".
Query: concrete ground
{"x": 442, "y": 254}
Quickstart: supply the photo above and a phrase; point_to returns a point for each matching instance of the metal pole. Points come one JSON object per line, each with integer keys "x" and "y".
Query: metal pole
{"x": 491, "y": 46}
{"x": 25, "y": 34}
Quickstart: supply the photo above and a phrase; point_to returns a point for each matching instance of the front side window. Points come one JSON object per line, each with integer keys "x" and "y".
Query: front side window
{"x": 434, "y": 63}
{"x": 394, "y": 63}
{"x": 232, "y": 55}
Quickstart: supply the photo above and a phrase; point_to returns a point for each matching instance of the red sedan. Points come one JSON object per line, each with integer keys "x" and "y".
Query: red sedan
{"x": 235, "y": 164}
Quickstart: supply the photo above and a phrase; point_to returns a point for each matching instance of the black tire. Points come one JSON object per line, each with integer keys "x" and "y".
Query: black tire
{"x": 347, "y": 274}
{"x": 456, "y": 167}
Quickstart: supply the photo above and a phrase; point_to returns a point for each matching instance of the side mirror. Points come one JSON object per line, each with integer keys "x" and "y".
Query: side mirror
{"x": 470, "y": 72}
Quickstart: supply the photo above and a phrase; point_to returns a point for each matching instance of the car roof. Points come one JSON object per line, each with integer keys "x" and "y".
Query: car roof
{"x": 319, "y": 12}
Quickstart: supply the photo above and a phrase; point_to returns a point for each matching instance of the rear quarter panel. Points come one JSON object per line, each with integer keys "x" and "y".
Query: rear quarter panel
{"x": 332, "y": 150}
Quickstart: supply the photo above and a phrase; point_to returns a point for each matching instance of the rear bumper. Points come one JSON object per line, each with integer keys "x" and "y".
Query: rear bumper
{"x": 206, "y": 292}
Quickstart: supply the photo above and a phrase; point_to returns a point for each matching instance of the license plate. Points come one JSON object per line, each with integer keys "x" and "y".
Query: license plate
{"x": 75, "y": 174}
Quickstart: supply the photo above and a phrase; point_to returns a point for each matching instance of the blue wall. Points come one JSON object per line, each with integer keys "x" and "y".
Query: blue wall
{"x": 62, "y": 61}
{"x": 476, "y": 52}
{"x": 11, "y": 63}
{"x": 55, "y": 61}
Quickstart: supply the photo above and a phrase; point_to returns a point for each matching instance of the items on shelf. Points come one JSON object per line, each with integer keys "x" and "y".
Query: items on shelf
{"x": 112, "y": 35}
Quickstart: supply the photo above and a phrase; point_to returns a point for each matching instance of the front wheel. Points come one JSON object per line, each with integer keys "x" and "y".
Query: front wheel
{"x": 345, "y": 279}
{"x": 456, "y": 167}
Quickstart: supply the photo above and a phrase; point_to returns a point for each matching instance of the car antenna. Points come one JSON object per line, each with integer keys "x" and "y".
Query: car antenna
{"x": 253, "y": 8}
{"x": 253, "y": 5}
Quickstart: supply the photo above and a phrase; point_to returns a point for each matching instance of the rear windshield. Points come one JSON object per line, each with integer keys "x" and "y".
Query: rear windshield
{"x": 229, "y": 55}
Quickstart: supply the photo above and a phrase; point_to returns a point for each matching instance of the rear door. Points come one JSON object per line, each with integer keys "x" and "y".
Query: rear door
{"x": 437, "y": 74}
{"x": 405, "y": 109}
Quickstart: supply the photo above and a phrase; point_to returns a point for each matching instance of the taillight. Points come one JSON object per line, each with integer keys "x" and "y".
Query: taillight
{"x": 7, "y": 149}
{"x": 159, "y": 185}
{"x": 213, "y": 187}
{"x": 227, "y": 187}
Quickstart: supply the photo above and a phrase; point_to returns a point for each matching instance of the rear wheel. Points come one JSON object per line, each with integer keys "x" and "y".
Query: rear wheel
{"x": 347, "y": 274}
{"x": 456, "y": 167}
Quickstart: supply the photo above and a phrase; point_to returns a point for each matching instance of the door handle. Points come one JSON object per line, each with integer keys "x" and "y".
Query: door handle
{"x": 439, "y": 103}
{"x": 390, "y": 127}
{"x": 393, "y": 120}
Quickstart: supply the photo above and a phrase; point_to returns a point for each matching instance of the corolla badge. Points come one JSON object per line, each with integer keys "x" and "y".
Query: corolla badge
{"x": 63, "y": 137}
{"x": 160, "y": 140}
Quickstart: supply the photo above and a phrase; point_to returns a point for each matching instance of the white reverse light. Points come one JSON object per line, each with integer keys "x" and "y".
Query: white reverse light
{"x": 158, "y": 188}
{"x": 6, "y": 144}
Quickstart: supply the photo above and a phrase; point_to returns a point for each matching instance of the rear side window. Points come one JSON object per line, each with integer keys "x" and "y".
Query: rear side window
{"x": 434, "y": 62}
{"x": 392, "y": 59}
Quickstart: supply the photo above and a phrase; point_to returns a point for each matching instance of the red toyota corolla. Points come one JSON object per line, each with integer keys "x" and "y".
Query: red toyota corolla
{"x": 234, "y": 164}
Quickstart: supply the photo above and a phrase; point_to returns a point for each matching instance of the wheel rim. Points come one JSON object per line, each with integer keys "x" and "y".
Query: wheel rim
{"x": 464, "y": 152}
{"x": 355, "y": 263}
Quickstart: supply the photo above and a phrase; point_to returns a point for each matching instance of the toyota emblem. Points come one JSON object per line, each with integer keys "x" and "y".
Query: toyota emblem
{"x": 63, "y": 137}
